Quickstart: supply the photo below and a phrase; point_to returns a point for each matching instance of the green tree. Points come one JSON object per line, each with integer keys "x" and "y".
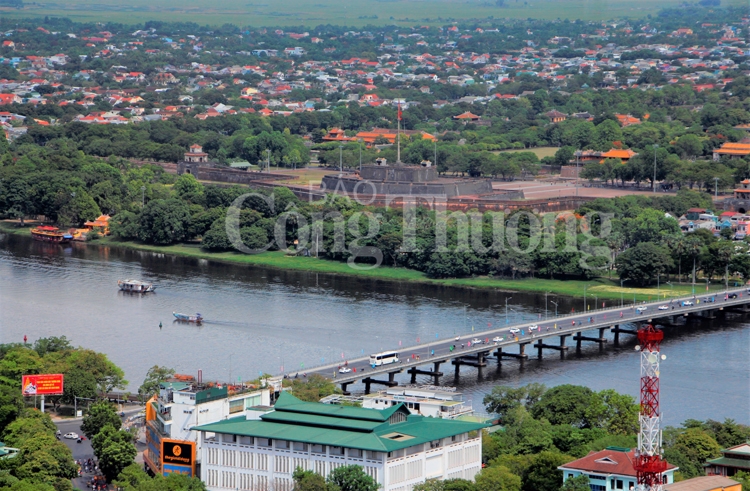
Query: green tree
{"x": 114, "y": 449}
{"x": 566, "y": 405}
{"x": 134, "y": 478}
{"x": 164, "y": 222}
{"x": 100, "y": 415}
{"x": 352, "y": 478}
{"x": 578, "y": 483}
{"x": 690, "y": 450}
{"x": 641, "y": 264}
{"x": 311, "y": 481}
{"x": 689, "y": 146}
{"x": 312, "y": 388}
{"x": 447, "y": 485}
{"x": 542, "y": 474}
{"x": 497, "y": 478}
{"x": 155, "y": 376}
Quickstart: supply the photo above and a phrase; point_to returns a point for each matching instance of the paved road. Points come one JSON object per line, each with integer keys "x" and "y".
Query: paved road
{"x": 523, "y": 333}
{"x": 83, "y": 450}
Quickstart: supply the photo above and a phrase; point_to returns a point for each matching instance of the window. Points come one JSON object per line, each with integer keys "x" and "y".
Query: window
{"x": 355, "y": 453}
{"x": 318, "y": 448}
{"x": 282, "y": 444}
{"x": 236, "y": 406}
{"x": 246, "y": 440}
{"x": 619, "y": 484}
{"x": 252, "y": 401}
{"x": 336, "y": 450}
{"x": 264, "y": 442}
{"x": 229, "y": 438}
{"x": 598, "y": 487}
{"x": 300, "y": 447}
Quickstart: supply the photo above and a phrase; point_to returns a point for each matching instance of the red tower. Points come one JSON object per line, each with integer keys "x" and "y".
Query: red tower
{"x": 649, "y": 465}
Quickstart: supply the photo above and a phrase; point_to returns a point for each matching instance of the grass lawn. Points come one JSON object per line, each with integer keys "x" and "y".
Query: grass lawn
{"x": 540, "y": 152}
{"x": 600, "y": 288}
{"x": 350, "y": 13}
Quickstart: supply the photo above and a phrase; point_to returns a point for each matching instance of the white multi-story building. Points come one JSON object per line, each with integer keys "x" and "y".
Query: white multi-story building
{"x": 399, "y": 450}
{"x": 181, "y": 406}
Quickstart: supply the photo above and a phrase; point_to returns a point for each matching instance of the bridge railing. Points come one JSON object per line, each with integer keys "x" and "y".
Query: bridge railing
{"x": 482, "y": 334}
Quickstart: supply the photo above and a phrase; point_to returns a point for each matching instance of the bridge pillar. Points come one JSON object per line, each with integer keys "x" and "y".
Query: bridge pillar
{"x": 367, "y": 385}
{"x": 480, "y": 364}
{"x": 391, "y": 376}
{"x": 499, "y": 355}
{"x": 577, "y": 337}
{"x": 522, "y": 351}
{"x": 413, "y": 372}
{"x": 458, "y": 370}
{"x": 539, "y": 349}
{"x": 344, "y": 386}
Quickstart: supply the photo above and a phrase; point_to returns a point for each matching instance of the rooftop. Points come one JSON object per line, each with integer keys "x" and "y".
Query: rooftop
{"x": 701, "y": 483}
{"x": 343, "y": 426}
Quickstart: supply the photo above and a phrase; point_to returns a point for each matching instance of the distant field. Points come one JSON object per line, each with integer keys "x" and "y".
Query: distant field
{"x": 350, "y": 12}
{"x": 540, "y": 152}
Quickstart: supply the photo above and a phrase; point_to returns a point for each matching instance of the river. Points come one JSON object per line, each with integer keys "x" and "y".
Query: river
{"x": 265, "y": 321}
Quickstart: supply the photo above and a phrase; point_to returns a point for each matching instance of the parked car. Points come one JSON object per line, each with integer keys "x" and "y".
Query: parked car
{"x": 497, "y": 339}
{"x": 71, "y": 436}
{"x": 476, "y": 341}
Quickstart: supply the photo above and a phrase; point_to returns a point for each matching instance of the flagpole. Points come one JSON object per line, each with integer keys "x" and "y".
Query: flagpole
{"x": 398, "y": 134}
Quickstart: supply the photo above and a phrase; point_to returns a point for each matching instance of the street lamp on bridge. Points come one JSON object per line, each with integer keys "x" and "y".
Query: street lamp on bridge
{"x": 552, "y": 301}
{"x": 506, "y": 308}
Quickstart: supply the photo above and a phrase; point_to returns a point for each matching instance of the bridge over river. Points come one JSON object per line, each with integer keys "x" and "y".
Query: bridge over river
{"x": 511, "y": 341}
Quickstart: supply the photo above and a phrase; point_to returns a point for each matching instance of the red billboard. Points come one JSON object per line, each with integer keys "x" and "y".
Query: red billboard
{"x": 42, "y": 385}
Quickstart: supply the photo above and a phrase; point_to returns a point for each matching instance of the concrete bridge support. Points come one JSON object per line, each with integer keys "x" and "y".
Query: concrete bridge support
{"x": 580, "y": 337}
{"x": 435, "y": 373}
{"x": 389, "y": 383}
{"x": 616, "y": 330}
{"x": 540, "y": 346}
{"x": 477, "y": 360}
{"x": 344, "y": 387}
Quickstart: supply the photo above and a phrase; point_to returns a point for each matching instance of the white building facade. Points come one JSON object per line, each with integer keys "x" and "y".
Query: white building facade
{"x": 396, "y": 449}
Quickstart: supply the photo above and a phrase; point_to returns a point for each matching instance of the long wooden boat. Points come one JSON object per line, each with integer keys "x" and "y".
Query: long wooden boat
{"x": 47, "y": 233}
{"x": 135, "y": 286}
{"x": 197, "y": 318}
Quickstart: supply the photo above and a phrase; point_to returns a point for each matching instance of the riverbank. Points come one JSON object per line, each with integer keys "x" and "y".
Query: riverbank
{"x": 598, "y": 289}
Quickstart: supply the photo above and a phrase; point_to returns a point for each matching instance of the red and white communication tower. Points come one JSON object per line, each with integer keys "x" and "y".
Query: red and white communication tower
{"x": 649, "y": 464}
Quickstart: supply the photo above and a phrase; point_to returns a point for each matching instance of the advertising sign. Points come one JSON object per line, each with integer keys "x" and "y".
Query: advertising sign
{"x": 178, "y": 456}
{"x": 42, "y": 385}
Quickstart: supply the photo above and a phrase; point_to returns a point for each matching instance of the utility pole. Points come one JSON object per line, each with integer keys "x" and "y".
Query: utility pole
{"x": 546, "y": 316}
{"x": 360, "y": 156}
{"x": 435, "y": 141}
{"x": 656, "y": 146}
{"x": 552, "y": 301}
{"x": 143, "y": 196}
{"x": 268, "y": 160}
{"x": 716, "y": 188}
{"x": 341, "y": 158}
{"x": 578, "y": 155}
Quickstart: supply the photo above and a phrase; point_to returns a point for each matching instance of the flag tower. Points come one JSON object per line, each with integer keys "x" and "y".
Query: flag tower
{"x": 398, "y": 134}
{"x": 649, "y": 464}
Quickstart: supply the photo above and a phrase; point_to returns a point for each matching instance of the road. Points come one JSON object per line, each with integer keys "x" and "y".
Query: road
{"x": 510, "y": 335}
{"x": 83, "y": 450}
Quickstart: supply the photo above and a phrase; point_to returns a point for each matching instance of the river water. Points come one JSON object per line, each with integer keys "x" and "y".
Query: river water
{"x": 265, "y": 321}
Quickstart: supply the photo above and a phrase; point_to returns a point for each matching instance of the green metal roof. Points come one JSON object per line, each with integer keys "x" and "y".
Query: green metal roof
{"x": 739, "y": 463}
{"x": 176, "y": 386}
{"x": 324, "y": 424}
{"x": 289, "y": 403}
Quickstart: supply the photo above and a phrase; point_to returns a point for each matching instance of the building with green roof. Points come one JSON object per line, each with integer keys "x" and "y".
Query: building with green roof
{"x": 398, "y": 449}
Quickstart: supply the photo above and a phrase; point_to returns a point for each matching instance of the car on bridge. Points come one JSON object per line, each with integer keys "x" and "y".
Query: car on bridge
{"x": 663, "y": 307}
{"x": 514, "y": 330}
{"x": 640, "y": 310}
{"x": 344, "y": 369}
{"x": 732, "y": 295}
{"x": 476, "y": 341}
{"x": 533, "y": 327}
{"x": 497, "y": 339}
{"x": 687, "y": 303}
